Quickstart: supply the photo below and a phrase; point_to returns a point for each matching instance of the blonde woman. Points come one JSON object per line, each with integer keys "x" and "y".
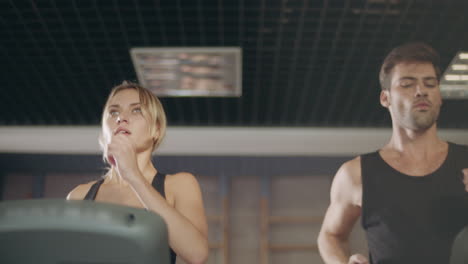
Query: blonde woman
{"x": 133, "y": 126}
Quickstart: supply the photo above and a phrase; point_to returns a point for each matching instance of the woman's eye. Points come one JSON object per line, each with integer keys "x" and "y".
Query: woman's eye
{"x": 137, "y": 110}
{"x": 113, "y": 113}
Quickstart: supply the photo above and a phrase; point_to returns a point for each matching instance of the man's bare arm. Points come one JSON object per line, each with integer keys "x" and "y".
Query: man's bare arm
{"x": 342, "y": 214}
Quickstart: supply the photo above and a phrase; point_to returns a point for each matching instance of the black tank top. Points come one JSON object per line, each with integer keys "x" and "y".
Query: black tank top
{"x": 158, "y": 184}
{"x": 413, "y": 219}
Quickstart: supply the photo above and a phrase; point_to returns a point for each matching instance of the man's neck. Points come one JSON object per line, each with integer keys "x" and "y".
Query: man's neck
{"x": 421, "y": 143}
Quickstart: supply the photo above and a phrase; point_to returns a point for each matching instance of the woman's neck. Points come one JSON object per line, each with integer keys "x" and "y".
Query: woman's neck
{"x": 145, "y": 167}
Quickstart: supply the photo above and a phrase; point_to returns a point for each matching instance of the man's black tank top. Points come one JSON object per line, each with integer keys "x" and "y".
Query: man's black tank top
{"x": 413, "y": 219}
{"x": 158, "y": 184}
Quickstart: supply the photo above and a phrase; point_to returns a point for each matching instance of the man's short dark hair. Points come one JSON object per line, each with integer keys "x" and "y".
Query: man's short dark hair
{"x": 408, "y": 53}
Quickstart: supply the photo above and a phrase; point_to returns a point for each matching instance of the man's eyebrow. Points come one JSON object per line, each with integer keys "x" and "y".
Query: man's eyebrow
{"x": 407, "y": 78}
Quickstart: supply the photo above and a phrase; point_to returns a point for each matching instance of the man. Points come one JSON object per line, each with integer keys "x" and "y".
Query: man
{"x": 410, "y": 193}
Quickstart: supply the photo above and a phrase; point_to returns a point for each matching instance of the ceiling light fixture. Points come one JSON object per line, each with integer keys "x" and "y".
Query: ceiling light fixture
{"x": 454, "y": 82}
{"x": 189, "y": 72}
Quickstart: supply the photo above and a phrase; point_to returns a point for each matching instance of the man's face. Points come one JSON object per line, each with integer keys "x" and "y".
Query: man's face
{"x": 414, "y": 98}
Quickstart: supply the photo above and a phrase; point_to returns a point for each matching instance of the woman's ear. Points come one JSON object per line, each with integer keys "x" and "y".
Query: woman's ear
{"x": 156, "y": 135}
{"x": 385, "y": 98}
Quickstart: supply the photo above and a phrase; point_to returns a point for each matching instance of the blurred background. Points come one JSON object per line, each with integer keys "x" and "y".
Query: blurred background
{"x": 265, "y": 158}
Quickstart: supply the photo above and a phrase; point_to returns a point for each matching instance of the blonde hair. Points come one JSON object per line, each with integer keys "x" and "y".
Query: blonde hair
{"x": 150, "y": 105}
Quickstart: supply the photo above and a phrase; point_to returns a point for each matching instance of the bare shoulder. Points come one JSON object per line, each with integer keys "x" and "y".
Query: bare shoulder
{"x": 181, "y": 178}
{"x": 80, "y": 191}
{"x": 347, "y": 184}
{"x": 182, "y": 184}
{"x": 351, "y": 170}
{"x": 181, "y": 181}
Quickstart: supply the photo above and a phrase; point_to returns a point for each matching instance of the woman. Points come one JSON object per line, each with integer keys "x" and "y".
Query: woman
{"x": 133, "y": 126}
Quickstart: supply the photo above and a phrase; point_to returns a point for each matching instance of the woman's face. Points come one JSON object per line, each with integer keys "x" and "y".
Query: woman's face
{"x": 125, "y": 116}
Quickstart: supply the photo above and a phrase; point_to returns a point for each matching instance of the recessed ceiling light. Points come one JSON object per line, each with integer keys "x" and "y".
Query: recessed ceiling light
{"x": 452, "y": 77}
{"x": 454, "y": 82}
{"x": 460, "y": 67}
{"x": 189, "y": 72}
{"x": 463, "y": 55}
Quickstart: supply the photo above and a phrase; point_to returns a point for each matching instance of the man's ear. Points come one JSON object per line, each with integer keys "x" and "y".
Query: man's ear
{"x": 385, "y": 98}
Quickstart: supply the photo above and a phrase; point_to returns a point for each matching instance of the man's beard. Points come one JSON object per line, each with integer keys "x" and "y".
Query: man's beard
{"x": 420, "y": 121}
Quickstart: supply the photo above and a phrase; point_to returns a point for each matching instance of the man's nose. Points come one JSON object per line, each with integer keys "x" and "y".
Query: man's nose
{"x": 421, "y": 90}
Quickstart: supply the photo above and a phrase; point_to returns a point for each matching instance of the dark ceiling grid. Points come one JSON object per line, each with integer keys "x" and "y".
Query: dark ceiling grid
{"x": 201, "y": 26}
{"x": 76, "y": 51}
{"x": 231, "y": 38}
{"x": 372, "y": 84}
{"x": 173, "y": 107}
{"x": 124, "y": 32}
{"x": 161, "y": 23}
{"x": 435, "y": 28}
{"x": 7, "y": 100}
{"x": 419, "y": 31}
{"x": 335, "y": 96}
{"x": 208, "y": 117}
{"x": 354, "y": 92}
{"x": 272, "y": 89}
{"x": 123, "y": 28}
{"x": 84, "y": 66}
{"x": 452, "y": 35}
{"x": 290, "y": 87}
{"x": 116, "y": 43}
{"x": 463, "y": 43}
{"x": 240, "y": 43}
{"x": 397, "y": 31}
{"x": 176, "y": 32}
{"x": 306, "y": 88}
{"x": 67, "y": 47}
{"x": 105, "y": 34}
{"x": 224, "y": 102}
{"x": 63, "y": 62}
{"x": 37, "y": 45}
{"x": 50, "y": 69}
{"x": 8, "y": 97}
{"x": 220, "y": 22}
{"x": 324, "y": 84}
{"x": 141, "y": 23}
{"x": 164, "y": 43}
{"x": 203, "y": 102}
{"x": 180, "y": 21}
{"x": 183, "y": 104}
{"x": 193, "y": 103}
{"x": 16, "y": 94}
{"x": 258, "y": 67}
{"x": 212, "y": 15}
{"x": 252, "y": 44}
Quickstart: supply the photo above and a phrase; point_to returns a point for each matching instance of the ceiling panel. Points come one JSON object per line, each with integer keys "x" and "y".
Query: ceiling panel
{"x": 305, "y": 63}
